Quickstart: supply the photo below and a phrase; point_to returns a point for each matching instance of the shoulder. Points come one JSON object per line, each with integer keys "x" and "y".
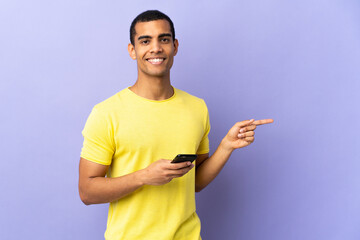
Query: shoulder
{"x": 191, "y": 99}
{"x": 110, "y": 104}
{"x": 196, "y": 105}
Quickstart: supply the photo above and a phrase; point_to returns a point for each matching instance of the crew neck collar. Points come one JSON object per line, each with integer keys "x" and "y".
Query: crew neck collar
{"x": 150, "y": 100}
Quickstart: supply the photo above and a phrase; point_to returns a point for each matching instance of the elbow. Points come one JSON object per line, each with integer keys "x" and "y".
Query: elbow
{"x": 86, "y": 202}
{"x": 198, "y": 188}
{"x": 199, "y": 185}
{"x": 84, "y": 197}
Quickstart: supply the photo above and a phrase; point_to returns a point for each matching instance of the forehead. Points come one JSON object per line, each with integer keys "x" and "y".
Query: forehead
{"x": 152, "y": 28}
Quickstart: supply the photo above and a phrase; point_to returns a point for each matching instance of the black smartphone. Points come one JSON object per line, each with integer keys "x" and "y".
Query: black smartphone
{"x": 184, "y": 158}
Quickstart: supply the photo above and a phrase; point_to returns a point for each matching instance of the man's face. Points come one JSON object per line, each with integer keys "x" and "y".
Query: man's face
{"x": 153, "y": 48}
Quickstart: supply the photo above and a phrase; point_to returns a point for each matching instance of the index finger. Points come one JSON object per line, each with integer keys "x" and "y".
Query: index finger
{"x": 262, "y": 122}
{"x": 179, "y": 165}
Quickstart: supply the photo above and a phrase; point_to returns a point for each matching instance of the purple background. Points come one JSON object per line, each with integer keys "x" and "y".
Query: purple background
{"x": 295, "y": 61}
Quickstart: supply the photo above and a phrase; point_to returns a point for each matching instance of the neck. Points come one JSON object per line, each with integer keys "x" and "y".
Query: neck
{"x": 153, "y": 88}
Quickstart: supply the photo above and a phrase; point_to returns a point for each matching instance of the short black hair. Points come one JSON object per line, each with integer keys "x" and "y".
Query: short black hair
{"x": 148, "y": 16}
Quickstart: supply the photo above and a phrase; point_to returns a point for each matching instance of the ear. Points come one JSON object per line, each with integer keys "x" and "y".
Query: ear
{"x": 176, "y": 46}
{"x": 131, "y": 50}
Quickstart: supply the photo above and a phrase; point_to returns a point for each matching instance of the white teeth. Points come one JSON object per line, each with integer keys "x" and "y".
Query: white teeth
{"x": 156, "y": 60}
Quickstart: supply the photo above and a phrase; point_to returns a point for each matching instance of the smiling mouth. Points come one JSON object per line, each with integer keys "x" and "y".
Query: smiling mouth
{"x": 155, "y": 60}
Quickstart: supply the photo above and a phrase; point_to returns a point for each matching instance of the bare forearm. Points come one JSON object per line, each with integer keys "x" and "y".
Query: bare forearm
{"x": 95, "y": 188}
{"x": 104, "y": 190}
{"x": 211, "y": 167}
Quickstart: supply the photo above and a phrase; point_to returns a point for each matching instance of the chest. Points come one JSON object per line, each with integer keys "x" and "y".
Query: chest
{"x": 158, "y": 130}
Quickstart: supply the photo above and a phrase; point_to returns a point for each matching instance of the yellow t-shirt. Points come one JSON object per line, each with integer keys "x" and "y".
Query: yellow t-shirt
{"x": 129, "y": 132}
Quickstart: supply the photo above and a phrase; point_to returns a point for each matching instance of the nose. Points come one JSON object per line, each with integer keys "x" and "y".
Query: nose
{"x": 156, "y": 47}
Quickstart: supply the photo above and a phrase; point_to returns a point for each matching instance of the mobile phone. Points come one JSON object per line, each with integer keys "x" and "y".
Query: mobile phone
{"x": 184, "y": 158}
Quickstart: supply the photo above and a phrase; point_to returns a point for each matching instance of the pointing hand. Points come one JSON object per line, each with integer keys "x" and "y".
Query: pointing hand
{"x": 242, "y": 133}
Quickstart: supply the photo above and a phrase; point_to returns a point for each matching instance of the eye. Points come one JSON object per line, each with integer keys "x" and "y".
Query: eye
{"x": 145, "y": 42}
{"x": 165, "y": 40}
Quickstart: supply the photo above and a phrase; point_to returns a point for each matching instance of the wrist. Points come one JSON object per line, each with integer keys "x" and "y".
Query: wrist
{"x": 226, "y": 145}
{"x": 141, "y": 177}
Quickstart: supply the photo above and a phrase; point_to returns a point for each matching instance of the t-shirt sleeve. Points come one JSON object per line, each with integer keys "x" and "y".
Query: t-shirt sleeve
{"x": 204, "y": 144}
{"x": 98, "y": 135}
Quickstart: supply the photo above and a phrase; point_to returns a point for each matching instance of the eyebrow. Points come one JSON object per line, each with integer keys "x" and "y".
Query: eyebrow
{"x": 165, "y": 35}
{"x": 161, "y": 35}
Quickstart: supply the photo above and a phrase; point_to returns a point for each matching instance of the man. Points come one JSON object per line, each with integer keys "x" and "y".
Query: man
{"x": 132, "y": 137}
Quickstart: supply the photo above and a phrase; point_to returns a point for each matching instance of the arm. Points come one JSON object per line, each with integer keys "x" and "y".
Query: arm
{"x": 240, "y": 135}
{"x": 210, "y": 167}
{"x": 94, "y": 187}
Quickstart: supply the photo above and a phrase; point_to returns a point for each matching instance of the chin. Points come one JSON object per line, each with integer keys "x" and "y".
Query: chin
{"x": 157, "y": 74}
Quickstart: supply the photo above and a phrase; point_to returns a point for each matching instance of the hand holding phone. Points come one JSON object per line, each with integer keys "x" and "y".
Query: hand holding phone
{"x": 163, "y": 171}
